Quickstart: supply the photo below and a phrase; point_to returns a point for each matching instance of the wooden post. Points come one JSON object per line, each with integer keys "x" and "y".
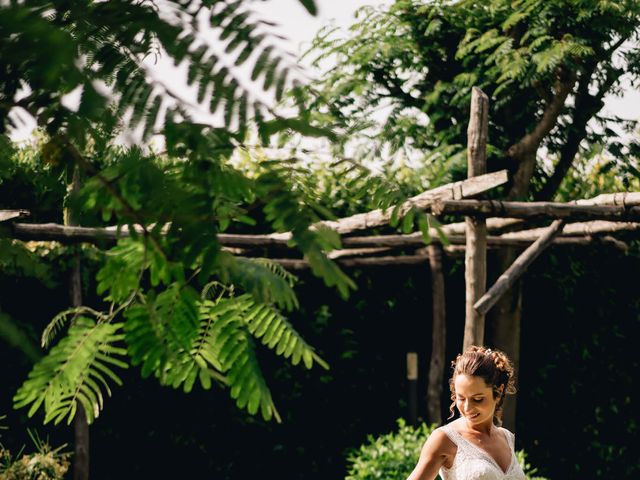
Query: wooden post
{"x": 412, "y": 380}
{"x": 476, "y": 228}
{"x": 80, "y": 425}
{"x": 438, "y": 336}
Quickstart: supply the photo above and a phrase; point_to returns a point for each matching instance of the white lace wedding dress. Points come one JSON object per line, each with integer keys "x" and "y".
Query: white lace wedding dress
{"x": 473, "y": 463}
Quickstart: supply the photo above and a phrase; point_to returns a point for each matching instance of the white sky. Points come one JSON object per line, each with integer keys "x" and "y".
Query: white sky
{"x": 300, "y": 27}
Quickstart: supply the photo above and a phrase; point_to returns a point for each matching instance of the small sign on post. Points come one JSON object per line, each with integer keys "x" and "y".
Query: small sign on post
{"x": 412, "y": 380}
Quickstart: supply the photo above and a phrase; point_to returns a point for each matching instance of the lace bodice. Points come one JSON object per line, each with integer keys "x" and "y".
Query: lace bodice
{"x": 473, "y": 463}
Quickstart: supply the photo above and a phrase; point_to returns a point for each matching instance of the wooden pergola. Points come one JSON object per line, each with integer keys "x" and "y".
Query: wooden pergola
{"x": 488, "y": 224}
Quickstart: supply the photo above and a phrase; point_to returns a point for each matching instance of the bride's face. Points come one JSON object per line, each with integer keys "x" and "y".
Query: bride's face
{"x": 474, "y": 399}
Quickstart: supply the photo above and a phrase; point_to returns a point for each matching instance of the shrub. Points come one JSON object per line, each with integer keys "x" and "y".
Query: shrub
{"x": 45, "y": 464}
{"x": 392, "y": 456}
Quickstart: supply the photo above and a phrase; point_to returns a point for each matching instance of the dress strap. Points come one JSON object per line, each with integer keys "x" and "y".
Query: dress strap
{"x": 510, "y": 438}
{"x": 452, "y": 433}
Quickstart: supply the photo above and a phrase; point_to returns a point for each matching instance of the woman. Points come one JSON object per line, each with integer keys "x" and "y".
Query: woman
{"x": 474, "y": 447}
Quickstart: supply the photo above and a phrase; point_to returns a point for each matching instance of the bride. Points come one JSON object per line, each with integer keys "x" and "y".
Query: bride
{"x": 474, "y": 447}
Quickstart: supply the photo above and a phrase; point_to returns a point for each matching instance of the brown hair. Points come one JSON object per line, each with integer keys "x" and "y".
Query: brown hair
{"x": 493, "y": 366}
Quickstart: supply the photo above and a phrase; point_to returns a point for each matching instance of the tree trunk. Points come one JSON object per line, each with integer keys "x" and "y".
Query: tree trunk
{"x": 504, "y": 323}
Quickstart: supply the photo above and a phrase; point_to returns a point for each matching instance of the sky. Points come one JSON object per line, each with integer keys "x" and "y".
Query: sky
{"x": 300, "y": 27}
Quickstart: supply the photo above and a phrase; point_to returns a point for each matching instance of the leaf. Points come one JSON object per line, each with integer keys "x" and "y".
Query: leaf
{"x": 66, "y": 375}
{"x": 261, "y": 62}
{"x": 407, "y": 221}
{"x": 310, "y": 6}
{"x": 424, "y": 226}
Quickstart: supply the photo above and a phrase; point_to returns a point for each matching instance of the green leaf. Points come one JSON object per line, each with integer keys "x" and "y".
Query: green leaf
{"x": 64, "y": 377}
{"x": 310, "y": 5}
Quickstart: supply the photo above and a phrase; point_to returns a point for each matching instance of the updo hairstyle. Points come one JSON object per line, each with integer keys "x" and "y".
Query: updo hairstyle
{"x": 493, "y": 366}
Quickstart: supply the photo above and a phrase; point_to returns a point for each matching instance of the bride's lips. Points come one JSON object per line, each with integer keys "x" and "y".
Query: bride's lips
{"x": 472, "y": 416}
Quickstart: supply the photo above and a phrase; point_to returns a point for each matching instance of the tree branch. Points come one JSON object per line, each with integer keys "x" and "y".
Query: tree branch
{"x": 586, "y": 106}
{"x": 524, "y": 151}
{"x": 379, "y": 75}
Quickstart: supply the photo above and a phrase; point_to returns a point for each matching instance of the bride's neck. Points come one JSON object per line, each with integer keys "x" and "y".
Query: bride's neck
{"x": 482, "y": 429}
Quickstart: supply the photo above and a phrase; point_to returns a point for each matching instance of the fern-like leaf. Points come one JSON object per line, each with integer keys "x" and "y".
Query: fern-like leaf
{"x": 75, "y": 372}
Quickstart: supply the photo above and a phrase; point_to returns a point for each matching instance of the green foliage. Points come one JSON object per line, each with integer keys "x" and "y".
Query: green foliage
{"x": 391, "y": 456}
{"x": 170, "y": 331}
{"x": 181, "y": 338}
{"x": 417, "y": 62}
{"x": 394, "y": 455}
{"x": 21, "y": 260}
{"x": 75, "y": 372}
{"x": 29, "y": 182}
{"x": 15, "y": 336}
{"x": 599, "y": 173}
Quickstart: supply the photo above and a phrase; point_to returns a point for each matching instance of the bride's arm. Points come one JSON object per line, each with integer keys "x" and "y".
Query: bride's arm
{"x": 435, "y": 452}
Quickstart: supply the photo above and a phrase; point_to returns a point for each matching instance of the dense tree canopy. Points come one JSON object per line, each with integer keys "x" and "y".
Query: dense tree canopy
{"x": 546, "y": 66}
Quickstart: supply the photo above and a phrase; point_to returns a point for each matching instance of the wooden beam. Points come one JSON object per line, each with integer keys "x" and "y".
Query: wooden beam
{"x": 65, "y": 233}
{"x": 494, "y": 225}
{"x": 357, "y": 252}
{"x": 515, "y": 271}
{"x": 438, "y": 336}
{"x": 301, "y": 264}
{"x": 6, "y": 215}
{"x": 475, "y": 261}
{"x": 536, "y": 210}
{"x": 421, "y": 257}
{"x": 579, "y": 229}
{"x": 607, "y": 240}
{"x": 625, "y": 199}
{"x": 586, "y": 230}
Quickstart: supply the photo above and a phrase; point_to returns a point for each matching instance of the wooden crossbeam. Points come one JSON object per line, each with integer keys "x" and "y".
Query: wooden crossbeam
{"x": 626, "y": 199}
{"x": 519, "y": 266}
{"x": 301, "y": 264}
{"x": 537, "y": 210}
{"x": 596, "y": 227}
{"x": 69, "y": 234}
